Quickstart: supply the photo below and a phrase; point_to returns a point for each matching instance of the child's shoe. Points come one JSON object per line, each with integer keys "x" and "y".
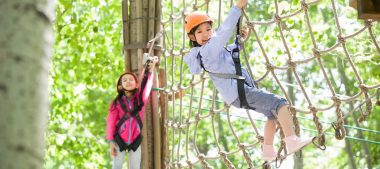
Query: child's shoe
{"x": 268, "y": 153}
{"x": 294, "y": 143}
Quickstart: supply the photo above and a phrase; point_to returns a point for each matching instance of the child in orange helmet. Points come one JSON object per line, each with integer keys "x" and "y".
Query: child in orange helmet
{"x": 208, "y": 53}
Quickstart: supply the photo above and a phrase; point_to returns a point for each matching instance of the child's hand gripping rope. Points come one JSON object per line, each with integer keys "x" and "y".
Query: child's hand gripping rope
{"x": 150, "y": 61}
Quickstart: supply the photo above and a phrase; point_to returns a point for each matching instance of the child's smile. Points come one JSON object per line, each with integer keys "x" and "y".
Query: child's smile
{"x": 204, "y": 41}
{"x": 203, "y": 33}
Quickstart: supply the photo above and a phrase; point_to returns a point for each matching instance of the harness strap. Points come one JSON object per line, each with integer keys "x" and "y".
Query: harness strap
{"x": 240, "y": 79}
{"x": 220, "y": 75}
{"x": 137, "y": 105}
{"x": 124, "y": 118}
{"x": 236, "y": 58}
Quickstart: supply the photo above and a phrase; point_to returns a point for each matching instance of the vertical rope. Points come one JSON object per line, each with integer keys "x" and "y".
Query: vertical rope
{"x": 248, "y": 160}
{"x": 340, "y": 131}
{"x": 369, "y": 26}
{"x": 226, "y": 161}
{"x": 321, "y": 136}
{"x": 342, "y": 41}
{"x": 282, "y": 148}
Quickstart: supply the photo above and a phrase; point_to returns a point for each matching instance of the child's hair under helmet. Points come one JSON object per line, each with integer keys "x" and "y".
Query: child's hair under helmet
{"x": 194, "y": 19}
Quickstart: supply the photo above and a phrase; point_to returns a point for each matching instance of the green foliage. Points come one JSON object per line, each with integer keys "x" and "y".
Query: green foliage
{"x": 87, "y": 61}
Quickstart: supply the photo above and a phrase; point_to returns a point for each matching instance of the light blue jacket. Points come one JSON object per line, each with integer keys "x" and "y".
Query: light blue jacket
{"x": 217, "y": 59}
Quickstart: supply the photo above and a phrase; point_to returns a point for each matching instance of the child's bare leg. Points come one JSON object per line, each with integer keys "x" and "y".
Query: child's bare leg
{"x": 269, "y": 153}
{"x": 269, "y": 131}
{"x": 285, "y": 120}
{"x": 293, "y": 142}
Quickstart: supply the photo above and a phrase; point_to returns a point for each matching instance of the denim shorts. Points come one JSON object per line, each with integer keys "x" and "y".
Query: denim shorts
{"x": 263, "y": 101}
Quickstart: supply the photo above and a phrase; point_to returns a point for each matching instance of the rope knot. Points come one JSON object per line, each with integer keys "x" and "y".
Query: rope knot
{"x": 292, "y": 109}
{"x": 171, "y": 17}
{"x": 197, "y": 117}
{"x": 251, "y": 25}
{"x": 292, "y": 64}
{"x": 241, "y": 146}
{"x": 341, "y": 39}
{"x": 178, "y": 125}
{"x": 368, "y": 23}
{"x": 189, "y": 163}
{"x": 201, "y": 157}
{"x": 172, "y": 124}
{"x": 222, "y": 153}
{"x": 363, "y": 88}
{"x": 313, "y": 109}
{"x": 336, "y": 100}
{"x": 277, "y": 18}
{"x": 260, "y": 138}
{"x": 195, "y": 8}
{"x": 225, "y": 159}
{"x": 212, "y": 112}
{"x": 316, "y": 53}
{"x": 269, "y": 66}
{"x": 305, "y": 6}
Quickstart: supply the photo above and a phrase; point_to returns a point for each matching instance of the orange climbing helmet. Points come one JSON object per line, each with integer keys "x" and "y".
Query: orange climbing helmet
{"x": 194, "y": 19}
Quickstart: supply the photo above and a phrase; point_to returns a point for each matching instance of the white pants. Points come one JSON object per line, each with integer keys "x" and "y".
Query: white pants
{"x": 134, "y": 159}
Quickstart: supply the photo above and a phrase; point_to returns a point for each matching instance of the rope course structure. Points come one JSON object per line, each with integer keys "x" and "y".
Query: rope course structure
{"x": 192, "y": 103}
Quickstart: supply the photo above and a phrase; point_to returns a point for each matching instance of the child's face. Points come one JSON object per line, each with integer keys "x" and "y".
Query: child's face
{"x": 203, "y": 33}
{"x": 128, "y": 82}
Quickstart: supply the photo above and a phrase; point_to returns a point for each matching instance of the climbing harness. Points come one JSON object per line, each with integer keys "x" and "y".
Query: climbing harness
{"x": 134, "y": 113}
{"x": 240, "y": 79}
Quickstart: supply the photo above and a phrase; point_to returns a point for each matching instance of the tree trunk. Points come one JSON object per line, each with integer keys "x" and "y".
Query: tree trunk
{"x": 26, "y": 38}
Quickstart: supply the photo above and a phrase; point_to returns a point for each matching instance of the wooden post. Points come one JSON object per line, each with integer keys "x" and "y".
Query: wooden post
{"x": 141, "y": 22}
{"x": 164, "y": 136}
{"x": 353, "y": 4}
{"x": 154, "y": 22}
{"x": 369, "y": 9}
{"x": 156, "y": 128}
{"x": 125, "y": 31}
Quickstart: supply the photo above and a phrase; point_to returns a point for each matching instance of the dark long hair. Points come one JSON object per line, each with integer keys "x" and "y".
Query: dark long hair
{"x": 120, "y": 90}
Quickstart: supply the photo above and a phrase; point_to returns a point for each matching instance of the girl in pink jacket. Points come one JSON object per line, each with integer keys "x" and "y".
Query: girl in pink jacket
{"x": 128, "y": 104}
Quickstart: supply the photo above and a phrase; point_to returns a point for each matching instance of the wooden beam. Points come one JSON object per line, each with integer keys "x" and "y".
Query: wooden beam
{"x": 369, "y": 9}
{"x": 140, "y": 24}
{"x": 353, "y": 4}
{"x": 125, "y": 14}
{"x": 164, "y": 116}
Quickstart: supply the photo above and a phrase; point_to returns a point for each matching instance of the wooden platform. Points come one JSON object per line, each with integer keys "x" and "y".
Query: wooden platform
{"x": 368, "y": 9}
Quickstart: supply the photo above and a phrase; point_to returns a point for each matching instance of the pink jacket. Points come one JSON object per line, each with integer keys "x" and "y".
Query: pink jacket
{"x": 130, "y": 129}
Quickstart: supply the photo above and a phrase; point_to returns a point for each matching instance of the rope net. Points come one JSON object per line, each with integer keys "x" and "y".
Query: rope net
{"x": 313, "y": 59}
